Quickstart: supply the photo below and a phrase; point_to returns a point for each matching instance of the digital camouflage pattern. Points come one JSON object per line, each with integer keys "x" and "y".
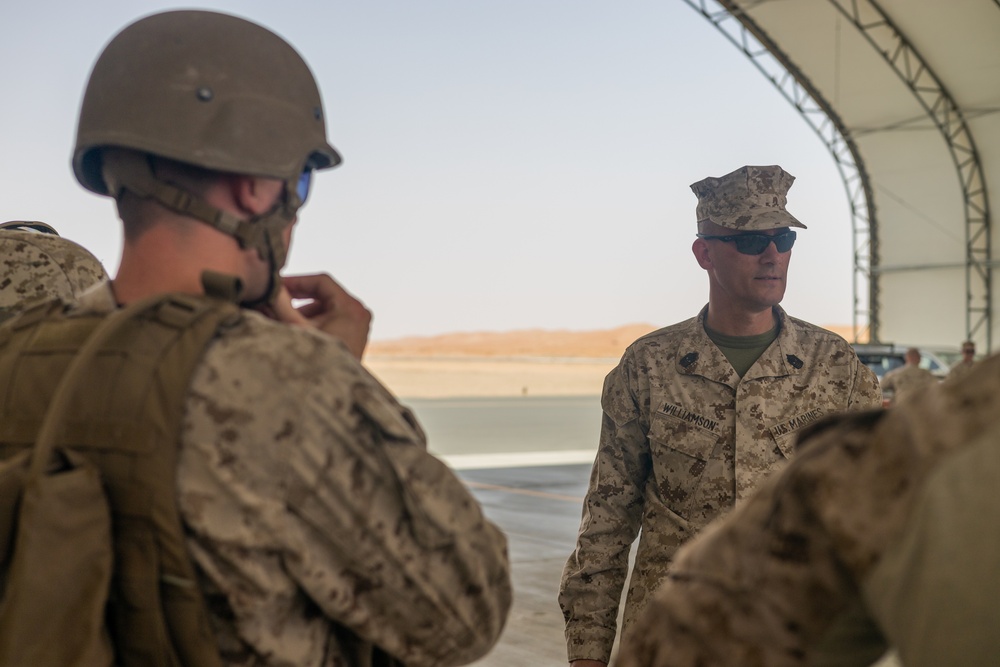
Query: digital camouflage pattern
{"x": 320, "y": 524}
{"x": 960, "y": 370}
{"x": 749, "y": 199}
{"x": 882, "y": 531}
{"x": 900, "y": 382}
{"x": 35, "y": 267}
{"x": 683, "y": 439}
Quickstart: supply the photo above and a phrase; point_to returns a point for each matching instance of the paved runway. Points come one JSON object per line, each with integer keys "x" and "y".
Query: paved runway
{"x": 539, "y": 509}
{"x": 527, "y": 459}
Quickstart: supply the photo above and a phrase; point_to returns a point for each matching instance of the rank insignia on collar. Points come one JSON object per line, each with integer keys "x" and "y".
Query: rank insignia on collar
{"x": 689, "y": 359}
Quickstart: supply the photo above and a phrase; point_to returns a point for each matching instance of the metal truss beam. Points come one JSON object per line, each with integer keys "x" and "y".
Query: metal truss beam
{"x": 794, "y": 86}
{"x": 886, "y": 38}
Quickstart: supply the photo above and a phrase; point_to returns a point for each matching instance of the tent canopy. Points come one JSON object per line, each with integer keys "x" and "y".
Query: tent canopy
{"x": 906, "y": 95}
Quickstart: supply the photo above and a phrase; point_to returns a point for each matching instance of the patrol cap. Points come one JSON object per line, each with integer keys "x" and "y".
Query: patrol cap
{"x": 29, "y": 226}
{"x": 751, "y": 198}
{"x": 39, "y": 264}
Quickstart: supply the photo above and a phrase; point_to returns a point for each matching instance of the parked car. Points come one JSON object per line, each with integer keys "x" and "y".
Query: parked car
{"x": 949, "y": 355}
{"x": 883, "y": 357}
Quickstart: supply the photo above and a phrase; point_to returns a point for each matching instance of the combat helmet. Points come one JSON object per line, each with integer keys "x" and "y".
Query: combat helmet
{"x": 210, "y": 90}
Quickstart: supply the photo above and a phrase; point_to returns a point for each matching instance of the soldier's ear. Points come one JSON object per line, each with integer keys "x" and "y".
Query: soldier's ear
{"x": 701, "y": 253}
{"x": 254, "y": 195}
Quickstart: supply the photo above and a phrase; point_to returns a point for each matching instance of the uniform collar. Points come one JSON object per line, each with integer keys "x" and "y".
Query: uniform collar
{"x": 698, "y": 355}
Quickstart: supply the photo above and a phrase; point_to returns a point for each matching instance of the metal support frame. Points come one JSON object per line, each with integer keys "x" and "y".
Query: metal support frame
{"x": 794, "y": 86}
{"x": 874, "y": 24}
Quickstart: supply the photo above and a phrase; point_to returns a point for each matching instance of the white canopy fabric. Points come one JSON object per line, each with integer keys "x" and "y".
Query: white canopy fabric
{"x": 912, "y": 89}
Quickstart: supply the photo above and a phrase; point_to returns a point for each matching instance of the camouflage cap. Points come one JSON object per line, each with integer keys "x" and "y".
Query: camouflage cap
{"x": 750, "y": 198}
{"x": 36, "y": 265}
{"x": 29, "y": 226}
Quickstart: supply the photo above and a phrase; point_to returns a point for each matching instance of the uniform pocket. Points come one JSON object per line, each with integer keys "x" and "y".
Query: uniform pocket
{"x": 419, "y": 477}
{"x": 681, "y": 446}
{"x": 392, "y": 420}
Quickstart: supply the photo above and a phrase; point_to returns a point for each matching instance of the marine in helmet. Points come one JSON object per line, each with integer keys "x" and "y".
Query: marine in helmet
{"x": 37, "y": 264}
{"x": 322, "y": 530}
{"x": 163, "y": 114}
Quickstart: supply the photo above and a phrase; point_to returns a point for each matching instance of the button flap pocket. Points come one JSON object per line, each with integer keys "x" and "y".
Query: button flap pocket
{"x": 685, "y": 431}
{"x": 419, "y": 477}
{"x": 389, "y": 418}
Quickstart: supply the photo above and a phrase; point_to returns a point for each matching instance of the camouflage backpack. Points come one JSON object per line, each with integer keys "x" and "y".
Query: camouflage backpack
{"x": 93, "y": 564}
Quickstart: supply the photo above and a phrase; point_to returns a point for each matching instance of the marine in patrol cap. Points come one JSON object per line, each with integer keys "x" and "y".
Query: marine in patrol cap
{"x": 39, "y": 264}
{"x": 750, "y": 198}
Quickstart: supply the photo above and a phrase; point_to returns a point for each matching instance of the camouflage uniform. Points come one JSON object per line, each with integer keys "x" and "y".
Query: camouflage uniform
{"x": 683, "y": 439}
{"x": 317, "y": 520}
{"x": 883, "y": 531}
{"x": 37, "y": 266}
{"x": 960, "y": 370}
{"x": 903, "y": 381}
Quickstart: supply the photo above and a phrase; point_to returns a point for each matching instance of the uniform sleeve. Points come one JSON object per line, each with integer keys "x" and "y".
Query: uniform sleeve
{"x": 866, "y": 392}
{"x": 397, "y": 549}
{"x": 318, "y": 506}
{"x": 595, "y": 574}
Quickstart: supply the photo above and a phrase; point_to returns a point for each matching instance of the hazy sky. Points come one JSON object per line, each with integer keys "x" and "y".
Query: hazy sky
{"x": 508, "y": 164}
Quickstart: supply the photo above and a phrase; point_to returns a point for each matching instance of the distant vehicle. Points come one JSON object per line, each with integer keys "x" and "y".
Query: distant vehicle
{"x": 883, "y": 357}
{"x": 949, "y": 355}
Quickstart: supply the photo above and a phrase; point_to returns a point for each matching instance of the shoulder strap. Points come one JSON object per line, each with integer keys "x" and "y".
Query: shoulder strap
{"x": 70, "y": 383}
{"x": 120, "y": 402}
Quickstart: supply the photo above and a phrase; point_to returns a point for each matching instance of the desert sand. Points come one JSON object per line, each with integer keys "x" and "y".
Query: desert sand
{"x": 513, "y": 363}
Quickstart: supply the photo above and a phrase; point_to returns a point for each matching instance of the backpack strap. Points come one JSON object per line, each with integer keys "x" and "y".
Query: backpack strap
{"x": 55, "y": 415}
{"x": 120, "y": 403}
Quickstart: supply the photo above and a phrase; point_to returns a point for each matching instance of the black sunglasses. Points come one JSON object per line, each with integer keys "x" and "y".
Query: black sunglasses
{"x": 755, "y": 244}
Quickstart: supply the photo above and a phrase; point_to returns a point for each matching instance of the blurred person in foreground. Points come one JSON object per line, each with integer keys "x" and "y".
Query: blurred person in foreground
{"x": 881, "y": 532}
{"x": 37, "y": 264}
{"x": 900, "y": 382}
{"x": 321, "y": 530}
{"x": 697, "y": 414}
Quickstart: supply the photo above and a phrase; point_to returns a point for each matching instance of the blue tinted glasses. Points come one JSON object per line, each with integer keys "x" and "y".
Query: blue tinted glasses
{"x": 305, "y": 182}
{"x": 756, "y": 243}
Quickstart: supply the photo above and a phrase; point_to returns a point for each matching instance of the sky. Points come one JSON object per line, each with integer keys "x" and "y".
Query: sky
{"x": 508, "y": 164}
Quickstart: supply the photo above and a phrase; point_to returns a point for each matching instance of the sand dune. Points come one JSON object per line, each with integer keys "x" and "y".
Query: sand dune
{"x": 604, "y": 343}
{"x": 532, "y": 362}
{"x": 526, "y": 343}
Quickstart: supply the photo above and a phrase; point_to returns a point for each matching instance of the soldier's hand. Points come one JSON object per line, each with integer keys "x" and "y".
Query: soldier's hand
{"x": 330, "y": 309}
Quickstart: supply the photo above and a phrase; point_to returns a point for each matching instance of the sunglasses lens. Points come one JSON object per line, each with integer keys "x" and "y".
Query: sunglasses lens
{"x": 755, "y": 244}
{"x": 784, "y": 242}
{"x": 302, "y": 189}
{"x": 752, "y": 244}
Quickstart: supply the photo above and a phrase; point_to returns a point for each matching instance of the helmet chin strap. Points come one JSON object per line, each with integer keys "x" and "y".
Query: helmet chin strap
{"x": 270, "y": 248}
{"x": 127, "y": 171}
